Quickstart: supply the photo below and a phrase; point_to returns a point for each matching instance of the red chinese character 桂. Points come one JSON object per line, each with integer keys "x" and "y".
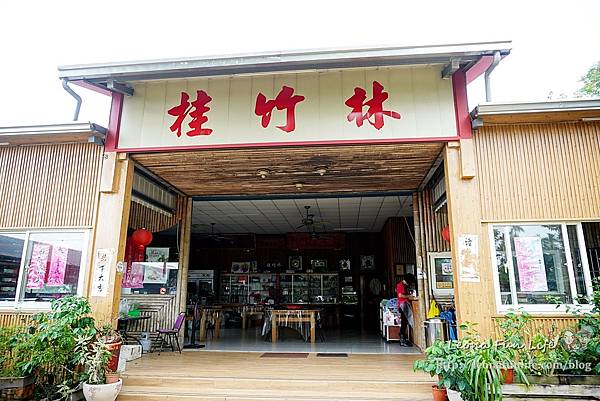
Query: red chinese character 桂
{"x": 375, "y": 110}
{"x": 284, "y": 101}
{"x": 196, "y": 110}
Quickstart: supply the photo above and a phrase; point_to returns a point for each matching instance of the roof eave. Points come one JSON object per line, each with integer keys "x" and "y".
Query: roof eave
{"x": 280, "y": 62}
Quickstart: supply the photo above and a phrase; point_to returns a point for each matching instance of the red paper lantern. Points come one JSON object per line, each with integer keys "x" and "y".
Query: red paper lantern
{"x": 446, "y": 233}
{"x": 141, "y": 237}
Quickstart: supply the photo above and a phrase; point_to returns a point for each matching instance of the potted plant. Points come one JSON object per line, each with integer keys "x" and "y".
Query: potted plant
{"x": 94, "y": 357}
{"x": 16, "y": 368}
{"x": 444, "y": 359}
{"x": 113, "y": 342}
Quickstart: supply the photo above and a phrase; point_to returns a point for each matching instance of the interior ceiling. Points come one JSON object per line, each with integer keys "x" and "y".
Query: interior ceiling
{"x": 347, "y": 169}
{"x": 278, "y": 216}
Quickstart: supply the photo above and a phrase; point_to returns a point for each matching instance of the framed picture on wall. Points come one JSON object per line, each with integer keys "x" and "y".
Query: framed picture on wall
{"x": 295, "y": 263}
{"x": 318, "y": 265}
{"x": 345, "y": 264}
{"x": 400, "y": 270}
{"x": 367, "y": 262}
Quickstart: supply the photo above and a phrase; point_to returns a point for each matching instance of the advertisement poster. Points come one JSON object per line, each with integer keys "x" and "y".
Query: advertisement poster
{"x": 134, "y": 275}
{"x": 101, "y": 272}
{"x": 530, "y": 264}
{"x": 36, "y": 273}
{"x": 58, "y": 266}
{"x": 157, "y": 254}
{"x": 155, "y": 273}
{"x": 468, "y": 258}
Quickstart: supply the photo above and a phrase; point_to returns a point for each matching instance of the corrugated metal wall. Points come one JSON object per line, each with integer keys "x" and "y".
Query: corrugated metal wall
{"x": 539, "y": 171}
{"x": 49, "y": 185}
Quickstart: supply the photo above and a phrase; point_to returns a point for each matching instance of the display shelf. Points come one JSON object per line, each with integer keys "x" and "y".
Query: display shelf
{"x": 283, "y": 288}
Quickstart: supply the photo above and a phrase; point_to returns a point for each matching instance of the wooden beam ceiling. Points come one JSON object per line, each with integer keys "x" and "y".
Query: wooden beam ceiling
{"x": 350, "y": 168}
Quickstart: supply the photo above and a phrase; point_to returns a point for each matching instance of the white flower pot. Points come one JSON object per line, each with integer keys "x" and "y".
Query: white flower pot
{"x": 454, "y": 395}
{"x": 102, "y": 392}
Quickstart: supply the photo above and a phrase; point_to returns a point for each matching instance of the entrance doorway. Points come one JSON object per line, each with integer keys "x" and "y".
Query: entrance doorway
{"x": 293, "y": 249}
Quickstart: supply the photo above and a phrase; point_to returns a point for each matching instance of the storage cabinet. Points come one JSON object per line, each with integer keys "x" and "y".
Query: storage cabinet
{"x": 283, "y": 288}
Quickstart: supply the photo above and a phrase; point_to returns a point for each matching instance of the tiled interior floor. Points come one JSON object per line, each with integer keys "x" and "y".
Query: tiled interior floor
{"x": 336, "y": 341}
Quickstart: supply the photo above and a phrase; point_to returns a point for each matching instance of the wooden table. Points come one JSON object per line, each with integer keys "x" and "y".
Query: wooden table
{"x": 294, "y": 316}
{"x": 210, "y": 315}
{"x": 250, "y": 312}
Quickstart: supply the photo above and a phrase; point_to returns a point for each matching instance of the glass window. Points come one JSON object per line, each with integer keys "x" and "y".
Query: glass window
{"x": 50, "y": 269}
{"x": 11, "y": 251}
{"x": 536, "y": 264}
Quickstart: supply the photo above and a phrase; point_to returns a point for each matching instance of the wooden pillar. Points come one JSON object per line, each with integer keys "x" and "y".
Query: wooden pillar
{"x": 110, "y": 232}
{"x": 475, "y": 300}
{"x": 185, "y": 234}
{"x": 420, "y": 274}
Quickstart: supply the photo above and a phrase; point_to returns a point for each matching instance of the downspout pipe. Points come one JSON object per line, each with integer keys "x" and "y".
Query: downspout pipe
{"x": 488, "y": 72}
{"x": 65, "y": 85}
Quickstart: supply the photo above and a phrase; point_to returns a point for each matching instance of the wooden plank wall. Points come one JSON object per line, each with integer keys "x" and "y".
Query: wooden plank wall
{"x": 49, "y": 185}
{"x": 8, "y": 319}
{"x": 547, "y": 325}
{"x": 539, "y": 171}
{"x": 162, "y": 310}
{"x": 398, "y": 237}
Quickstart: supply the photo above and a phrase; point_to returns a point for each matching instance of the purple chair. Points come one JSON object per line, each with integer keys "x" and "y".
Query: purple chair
{"x": 170, "y": 334}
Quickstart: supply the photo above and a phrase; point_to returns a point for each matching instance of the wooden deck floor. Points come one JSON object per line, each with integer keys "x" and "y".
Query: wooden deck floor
{"x": 227, "y": 376}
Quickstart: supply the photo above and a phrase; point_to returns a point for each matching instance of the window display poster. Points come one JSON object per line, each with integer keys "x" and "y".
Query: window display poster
{"x": 530, "y": 264}
{"x": 468, "y": 258}
{"x": 100, "y": 277}
{"x": 36, "y": 273}
{"x": 58, "y": 266}
{"x": 155, "y": 273}
{"x": 157, "y": 254}
{"x": 134, "y": 275}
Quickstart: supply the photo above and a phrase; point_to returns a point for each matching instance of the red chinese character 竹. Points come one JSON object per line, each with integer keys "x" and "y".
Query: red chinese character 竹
{"x": 196, "y": 110}
{"x": 375, "y": 110}
{"x": 283, "y": 101}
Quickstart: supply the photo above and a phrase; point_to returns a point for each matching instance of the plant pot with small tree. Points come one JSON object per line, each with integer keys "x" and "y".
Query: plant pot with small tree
{"x": 94, "y": 357}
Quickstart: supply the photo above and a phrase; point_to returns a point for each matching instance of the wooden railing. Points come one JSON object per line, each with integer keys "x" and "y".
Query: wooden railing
{"x": 162, "y": 310}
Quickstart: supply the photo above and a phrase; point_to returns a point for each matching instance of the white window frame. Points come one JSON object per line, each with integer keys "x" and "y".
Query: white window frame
{"x": 19, "y": 303}
{"x": 539, "y": 308}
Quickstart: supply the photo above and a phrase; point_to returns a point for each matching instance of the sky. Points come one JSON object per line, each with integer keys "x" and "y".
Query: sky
{"x": 553, "y": 42}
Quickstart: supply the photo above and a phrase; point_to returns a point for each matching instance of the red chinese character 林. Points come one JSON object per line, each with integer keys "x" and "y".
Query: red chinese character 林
{"x": 285, "y": 100}
{"x": 375, "y": 107}
{"x": 196, "y": 111}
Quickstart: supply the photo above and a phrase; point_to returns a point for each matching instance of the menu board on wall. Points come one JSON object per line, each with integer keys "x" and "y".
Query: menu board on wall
{"x": 530, "y": 264}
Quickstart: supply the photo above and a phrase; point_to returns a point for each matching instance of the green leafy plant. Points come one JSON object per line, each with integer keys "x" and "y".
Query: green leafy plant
{"x": 93, "y": 356}
{"x": 16, "y": 352}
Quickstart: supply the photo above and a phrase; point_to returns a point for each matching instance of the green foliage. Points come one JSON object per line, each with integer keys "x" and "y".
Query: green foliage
{"x": 472, "y": 366}
{"x": 16, "y": 350}
{"x": 591, "y": 82}
{"x": 93, "y": 356}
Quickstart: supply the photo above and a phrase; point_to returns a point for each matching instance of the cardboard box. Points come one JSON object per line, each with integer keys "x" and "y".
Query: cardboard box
{"x": 131, "y": 352}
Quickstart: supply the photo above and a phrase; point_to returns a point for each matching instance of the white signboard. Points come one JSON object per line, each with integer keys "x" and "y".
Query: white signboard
{"x": 468, "y": 258}
{"x": 384, "y": 104}
{"x": 101, "y": 274}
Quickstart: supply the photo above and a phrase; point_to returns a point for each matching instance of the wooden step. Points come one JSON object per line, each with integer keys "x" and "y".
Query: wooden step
{"x": 160, "y": 383}
{"x": 134, "y": 393}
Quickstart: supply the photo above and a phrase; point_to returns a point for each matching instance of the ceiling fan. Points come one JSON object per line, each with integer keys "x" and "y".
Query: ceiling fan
{"x": 311, "y": 224}
{"x": 216, "y": 236}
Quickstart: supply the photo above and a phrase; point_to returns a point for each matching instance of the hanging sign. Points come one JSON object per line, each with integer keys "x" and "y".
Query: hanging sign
{"x": 387, "y": 104}
{"x": 58, "y": 266}
{"x": 36, "y": 272}
{"x": 530, "y": 264}
{"x": 468, "y": 258}
{"x": 101, "y": 274}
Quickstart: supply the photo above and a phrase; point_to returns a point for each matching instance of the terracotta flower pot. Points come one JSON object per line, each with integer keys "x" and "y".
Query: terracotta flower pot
{"x": 439, "y": 394}
{"x": 115, "y": 349}
{"x": 102, "y": 392}
{"x": 112, "y": 377}
{"x": 508, "y": 375}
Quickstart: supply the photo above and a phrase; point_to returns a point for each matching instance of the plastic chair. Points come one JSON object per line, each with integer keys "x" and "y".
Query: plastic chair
{"x": 172, "y": 333}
